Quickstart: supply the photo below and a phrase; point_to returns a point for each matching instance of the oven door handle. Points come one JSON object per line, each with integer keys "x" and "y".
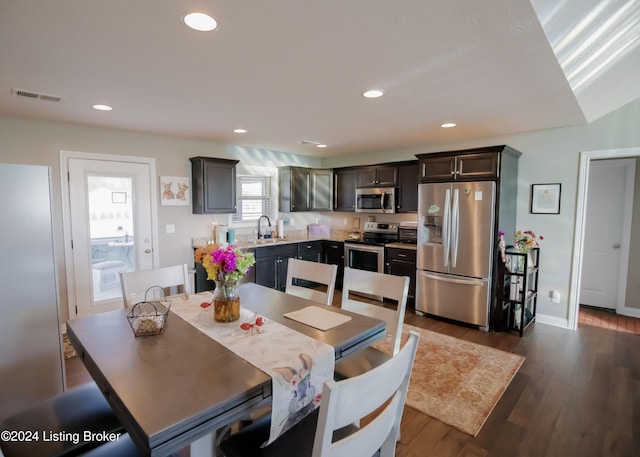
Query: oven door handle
{"x": 364, "y": 247}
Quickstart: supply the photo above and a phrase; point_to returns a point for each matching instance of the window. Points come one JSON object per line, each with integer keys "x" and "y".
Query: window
{"x": 255, "y": 198}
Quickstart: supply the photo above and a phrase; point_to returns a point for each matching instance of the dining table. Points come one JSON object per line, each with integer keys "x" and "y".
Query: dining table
{"x": 179, "y": 387}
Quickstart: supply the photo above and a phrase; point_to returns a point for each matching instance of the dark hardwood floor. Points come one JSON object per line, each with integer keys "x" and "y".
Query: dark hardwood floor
{"x": 577, "y": 394}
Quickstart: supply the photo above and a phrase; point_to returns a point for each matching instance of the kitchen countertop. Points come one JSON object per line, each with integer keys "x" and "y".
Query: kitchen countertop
{"x": 409, "y": 246}
{"x": 294, "y": 238}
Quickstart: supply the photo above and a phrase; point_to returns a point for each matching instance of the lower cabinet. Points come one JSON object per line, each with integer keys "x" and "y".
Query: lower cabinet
{"x": 402, "y": 262}
{"x": 271, "y": 265}
{"x": 310, "y": 250}
{"x": 333, "y": 252}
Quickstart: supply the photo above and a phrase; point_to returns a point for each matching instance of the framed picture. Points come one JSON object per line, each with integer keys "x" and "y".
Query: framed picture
{"x": 174, "y": 191}
{"x": 545, "y": 198}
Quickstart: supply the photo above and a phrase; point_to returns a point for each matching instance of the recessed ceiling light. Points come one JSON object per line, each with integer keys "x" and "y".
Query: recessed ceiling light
{"x": 374, "y": 93}
{"x": 102, "y": 107}
{"x": 321, "y": 145}
{"x": 200, "y": 21}
{"x": 448, "y": 125}
{"x": 239, "y": 131}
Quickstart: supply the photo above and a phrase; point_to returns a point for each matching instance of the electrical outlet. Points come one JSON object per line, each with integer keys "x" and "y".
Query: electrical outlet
{"x": 345, "y": 221}
{"x": 355, "y": 223}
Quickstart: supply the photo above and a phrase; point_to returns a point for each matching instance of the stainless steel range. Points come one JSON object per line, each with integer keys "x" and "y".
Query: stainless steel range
{"x": 368, "y": 253}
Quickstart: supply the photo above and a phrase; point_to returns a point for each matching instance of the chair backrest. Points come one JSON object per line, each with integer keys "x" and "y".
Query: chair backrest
{"x": 320, "y": 273}
{"x": 136, "y": 283}
{"x": 377, "y": 285}
{"x": 346, "y": 402}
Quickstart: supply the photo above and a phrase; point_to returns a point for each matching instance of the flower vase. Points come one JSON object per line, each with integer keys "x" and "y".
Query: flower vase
{"x": 524, "y": 260}
{"x": 226, "y": 302}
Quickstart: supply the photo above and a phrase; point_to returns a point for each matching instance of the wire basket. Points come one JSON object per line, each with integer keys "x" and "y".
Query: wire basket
{"x": 149, "y": 317}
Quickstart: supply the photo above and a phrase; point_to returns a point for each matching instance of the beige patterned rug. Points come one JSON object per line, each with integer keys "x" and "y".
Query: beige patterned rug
{"x": 455, "y": 381}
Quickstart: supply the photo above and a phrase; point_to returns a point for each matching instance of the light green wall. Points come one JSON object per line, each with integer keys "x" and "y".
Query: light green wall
{"x": 548, "y": 156}
{"x": 40, "y": 143}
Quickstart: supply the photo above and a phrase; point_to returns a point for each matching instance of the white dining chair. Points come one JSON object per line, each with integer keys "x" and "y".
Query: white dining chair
{"x": 322, "y": 277}
{"x": 330, "y": 431}
{"x": 380, "y": 286}
{"x": 135, "y": 284}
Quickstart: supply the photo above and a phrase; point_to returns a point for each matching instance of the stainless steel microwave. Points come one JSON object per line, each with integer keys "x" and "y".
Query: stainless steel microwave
{"x": 376, "y": 200}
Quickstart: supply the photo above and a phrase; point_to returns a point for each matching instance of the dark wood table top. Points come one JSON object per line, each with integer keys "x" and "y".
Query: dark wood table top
{"x": 173, "y": 388}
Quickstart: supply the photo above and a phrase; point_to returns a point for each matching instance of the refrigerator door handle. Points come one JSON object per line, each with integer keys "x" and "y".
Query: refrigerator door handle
{"x": 446, "y": 239}
{"x": 468, "y": 282}
{"x": 455, "y": 226}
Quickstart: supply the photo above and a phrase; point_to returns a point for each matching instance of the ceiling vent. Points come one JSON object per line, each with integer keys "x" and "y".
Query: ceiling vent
{"x": 36, "y": 95}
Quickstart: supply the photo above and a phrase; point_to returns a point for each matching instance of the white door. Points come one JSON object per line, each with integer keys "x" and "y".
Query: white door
{"x": 604, "y": 234}
{"x": 111, "y": 217}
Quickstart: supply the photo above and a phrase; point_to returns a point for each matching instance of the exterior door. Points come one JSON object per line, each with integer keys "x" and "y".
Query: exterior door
{"x": 603, "y": 240}
{"x": 111, "y": 227}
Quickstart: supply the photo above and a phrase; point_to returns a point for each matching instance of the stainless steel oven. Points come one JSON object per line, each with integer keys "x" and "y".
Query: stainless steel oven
{"x": 368, "y": 253}
{"x": 364, "y": 257}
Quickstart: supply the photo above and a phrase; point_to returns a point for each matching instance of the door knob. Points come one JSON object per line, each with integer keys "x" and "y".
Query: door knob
{"x": 147, "y": 251}
{"x": 616, "y": 245}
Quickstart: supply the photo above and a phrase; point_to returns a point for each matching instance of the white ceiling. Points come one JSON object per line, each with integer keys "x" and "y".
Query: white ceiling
{"x": 294, "y": 70}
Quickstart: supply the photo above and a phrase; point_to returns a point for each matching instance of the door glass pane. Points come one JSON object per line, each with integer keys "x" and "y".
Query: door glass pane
{"x": 111, "y": 233}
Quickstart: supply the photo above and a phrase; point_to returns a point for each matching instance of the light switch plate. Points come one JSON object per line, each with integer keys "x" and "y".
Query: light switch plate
{"x": 170, "y": 228}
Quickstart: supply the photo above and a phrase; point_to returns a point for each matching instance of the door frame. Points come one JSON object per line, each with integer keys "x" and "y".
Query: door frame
{"x": 578, "y": 239}
{"x": 66, "y": 212}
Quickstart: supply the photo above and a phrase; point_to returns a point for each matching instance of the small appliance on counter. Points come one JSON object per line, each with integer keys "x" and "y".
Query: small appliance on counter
{"x": 408, "y": 232}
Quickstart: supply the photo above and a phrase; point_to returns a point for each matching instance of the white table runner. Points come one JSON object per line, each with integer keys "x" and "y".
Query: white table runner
{"x": 298, "y": 365}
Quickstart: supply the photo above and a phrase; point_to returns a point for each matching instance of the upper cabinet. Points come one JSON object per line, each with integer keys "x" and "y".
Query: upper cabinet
{"x": 321, "y": 190}
{"x": 408, "y": 178}
{"x": 344, "y": 193}
{"x": 377, "y": 176}
{"x": 213, "y": 185}
{"x": 481, "y": 163}
{"x": 305, "y": 189}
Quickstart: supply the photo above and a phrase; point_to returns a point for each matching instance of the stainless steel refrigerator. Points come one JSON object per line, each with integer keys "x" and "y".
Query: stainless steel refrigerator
{"x": 455, "y": 248}
{"x": 31, "y": 361}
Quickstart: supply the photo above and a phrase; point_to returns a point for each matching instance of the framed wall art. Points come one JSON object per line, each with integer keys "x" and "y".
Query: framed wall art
{"x": 545, "y": 198}
{"x": 174, "y": 191}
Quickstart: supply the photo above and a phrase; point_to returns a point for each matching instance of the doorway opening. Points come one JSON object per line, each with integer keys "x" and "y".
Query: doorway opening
{"x": 580, "y": 226}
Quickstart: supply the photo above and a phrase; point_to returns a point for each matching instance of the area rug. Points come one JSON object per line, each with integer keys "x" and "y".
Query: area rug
{"x": 455, "y": 381}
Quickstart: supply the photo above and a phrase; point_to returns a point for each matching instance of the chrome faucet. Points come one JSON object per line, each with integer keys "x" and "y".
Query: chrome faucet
{"x": 260, "y": 235}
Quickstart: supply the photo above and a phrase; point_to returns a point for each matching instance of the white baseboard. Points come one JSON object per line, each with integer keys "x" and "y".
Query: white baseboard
{"x": 552, "y": 320}
{"x": 630, "y": 312}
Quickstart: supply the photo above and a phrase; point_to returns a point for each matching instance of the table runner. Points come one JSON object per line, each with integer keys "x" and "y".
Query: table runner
{"x": 298, "y": 365}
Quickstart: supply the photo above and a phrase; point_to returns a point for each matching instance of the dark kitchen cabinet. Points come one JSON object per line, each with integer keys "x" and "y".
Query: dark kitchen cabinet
{"x": 294, "y": 188}
{"x": 482, "y": 163}
{"x": 333, "y": 252}
{"x": 408, "y": 178}
{"x": 344, "y": 191}
{"x": 310, "y": 250}
{"x": 402, "y": 262}
{"x": 305, "y": 189}
{"x": 321, "y": 190}
{"x": 271, "y": 264}
{"x": 377, "y": 176}
{"x": 213, "y": 185}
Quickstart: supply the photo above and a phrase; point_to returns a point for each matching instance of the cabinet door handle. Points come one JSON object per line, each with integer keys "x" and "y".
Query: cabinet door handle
{"x": 402, "y": 255}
